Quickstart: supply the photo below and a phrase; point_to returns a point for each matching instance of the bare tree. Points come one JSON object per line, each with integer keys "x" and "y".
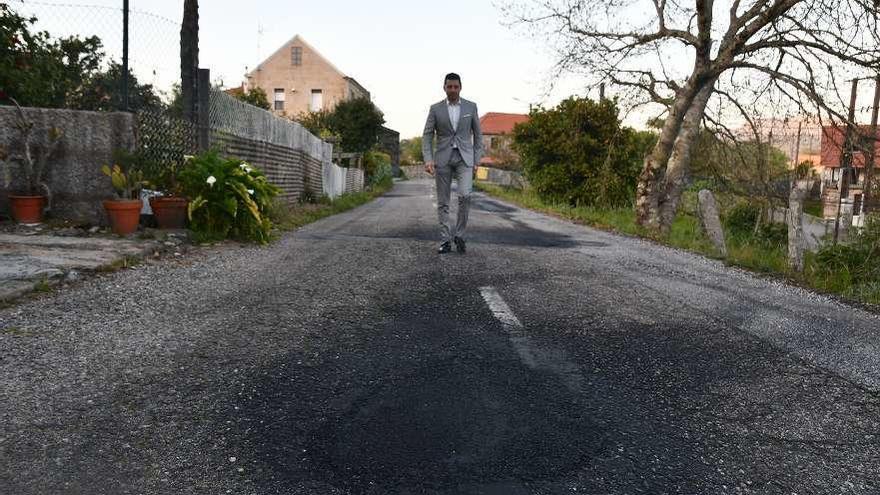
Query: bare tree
{"x": 685, "y": 54}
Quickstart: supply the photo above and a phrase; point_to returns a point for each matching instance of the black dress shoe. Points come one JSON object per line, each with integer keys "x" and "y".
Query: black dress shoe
{"x": 459, "y": 245}
{"x": 445, "y": 248}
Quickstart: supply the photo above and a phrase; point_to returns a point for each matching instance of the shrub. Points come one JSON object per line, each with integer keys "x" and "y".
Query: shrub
{"x": 578, "y": 153}
{"x": 255, "y": 96}
{"x": 741, "y": 219}
{"x": 377, "y": 166}
{"x": 773, "y": 234}
{"x": 856, "y": 261}
{"x": 228, "y": 198}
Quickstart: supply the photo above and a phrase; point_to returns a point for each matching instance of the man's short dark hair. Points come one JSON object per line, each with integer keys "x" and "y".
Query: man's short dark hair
{"x": 452, "y": 76}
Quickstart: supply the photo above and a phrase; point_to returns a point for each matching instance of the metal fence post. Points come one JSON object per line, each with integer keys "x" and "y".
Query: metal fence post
{"x": 203, "y": 107}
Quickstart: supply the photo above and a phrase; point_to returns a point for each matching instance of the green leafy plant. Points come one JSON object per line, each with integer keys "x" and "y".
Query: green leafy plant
{"x": 127, "y": 184}
{"x": 377, "y": 166}
{"x": 741, "y": 219}
{"x": 160, "y": 176}
{"x": 229, "y": 198}
{"x": 856, "y": 261}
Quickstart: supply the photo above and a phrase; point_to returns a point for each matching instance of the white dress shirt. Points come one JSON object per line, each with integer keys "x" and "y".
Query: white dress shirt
{"x": 454, "y": 115}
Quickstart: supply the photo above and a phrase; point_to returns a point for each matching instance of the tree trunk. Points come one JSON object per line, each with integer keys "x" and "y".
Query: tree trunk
{"x": 189, "y": 58}
{"x": 649, "y": 189}
{"x": 678, "y": 167}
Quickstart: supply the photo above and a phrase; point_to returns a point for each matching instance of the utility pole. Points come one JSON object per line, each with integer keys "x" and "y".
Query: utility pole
{"x": 797, "y": 146}
{"x": 601, "y": 91}
{"x": 846, "y": 158}
{"x": 124, "y": 78}
{"x": 867, "y": 196}
{"x": 189, "y": 59}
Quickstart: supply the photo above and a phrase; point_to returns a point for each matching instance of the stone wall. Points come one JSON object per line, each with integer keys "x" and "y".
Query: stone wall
{"x": 74, "y": 171}
{"x": 500, "y": 177}
{"x": 816, "y": 230}
{"x": 415, "y": 172}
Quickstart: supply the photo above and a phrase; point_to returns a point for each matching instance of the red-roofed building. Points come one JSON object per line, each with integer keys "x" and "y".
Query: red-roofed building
{"x": 235, "y": 92}
{"x": 833, "y": 138}
{"x": 498, "y": 135}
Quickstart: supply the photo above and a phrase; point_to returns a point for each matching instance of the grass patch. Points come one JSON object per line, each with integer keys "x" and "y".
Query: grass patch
{"x": 42, "y": 286}
{"x": 16, "y": 332}
{"x": 286, "y": 218}
{"x": 120, "y": 264}
{"x": 685, "y": 232}
{"x": 759, "y": 253}
{"x": 813, "y": 207}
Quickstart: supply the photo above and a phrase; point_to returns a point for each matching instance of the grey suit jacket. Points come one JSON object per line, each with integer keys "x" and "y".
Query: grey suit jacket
{"x": 467, "y": 136}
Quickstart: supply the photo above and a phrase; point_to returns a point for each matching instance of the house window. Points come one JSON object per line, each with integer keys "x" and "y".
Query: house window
{"x": 279, "y": 98}
{"x": 317, "y": 103}
{"x": 296, "y": 55}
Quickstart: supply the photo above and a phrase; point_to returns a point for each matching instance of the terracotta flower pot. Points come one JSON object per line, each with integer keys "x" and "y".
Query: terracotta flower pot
{"x": 27, "y": 209}
{"x": 170, "y": 211}
{"x": 124, "y": 214}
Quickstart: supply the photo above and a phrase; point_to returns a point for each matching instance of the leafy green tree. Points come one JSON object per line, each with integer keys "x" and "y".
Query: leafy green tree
{"x": 40, "y": 72}
{"x": 358, "y": 123}
{"x": 256, "y": 97}
{"x": 101, "y": 92}
{"x": 317, "y": 123}
{"x": 411, "y": 151}
{"x": 579, "y": 154}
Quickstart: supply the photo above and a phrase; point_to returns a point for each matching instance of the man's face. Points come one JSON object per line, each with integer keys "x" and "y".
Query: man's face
{"x": 452, "y": 88}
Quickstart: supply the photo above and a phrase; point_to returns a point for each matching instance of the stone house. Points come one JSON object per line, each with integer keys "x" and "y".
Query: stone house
{"x": 298, "y": 79}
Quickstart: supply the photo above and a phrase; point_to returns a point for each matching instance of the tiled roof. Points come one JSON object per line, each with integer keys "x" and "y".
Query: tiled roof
{"x": 501, "y": 123}
{"x": 236, "y": 91}
{"x": 832, "y": 146}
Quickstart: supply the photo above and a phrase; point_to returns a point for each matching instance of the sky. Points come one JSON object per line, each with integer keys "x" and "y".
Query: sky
{"x": 399, "y": 50}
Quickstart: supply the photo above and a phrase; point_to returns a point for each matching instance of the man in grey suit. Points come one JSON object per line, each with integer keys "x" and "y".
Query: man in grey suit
{"x": 456, "y": 123}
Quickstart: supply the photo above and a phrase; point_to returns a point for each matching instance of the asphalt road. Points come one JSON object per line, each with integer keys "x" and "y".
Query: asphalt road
{"x": 350, "y": 358}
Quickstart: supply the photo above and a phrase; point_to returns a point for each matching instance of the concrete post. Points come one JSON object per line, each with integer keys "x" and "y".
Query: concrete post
{"x": 711, "y": 221}
{"x": 795, "y": 221}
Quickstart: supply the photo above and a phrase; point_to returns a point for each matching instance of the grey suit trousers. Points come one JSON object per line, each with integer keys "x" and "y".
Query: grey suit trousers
{"x": 464, "y": 177}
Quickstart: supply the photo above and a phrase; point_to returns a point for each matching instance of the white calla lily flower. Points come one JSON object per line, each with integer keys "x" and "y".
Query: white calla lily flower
{"x": 211, "y": 180}
{"x": 250, "y": 191}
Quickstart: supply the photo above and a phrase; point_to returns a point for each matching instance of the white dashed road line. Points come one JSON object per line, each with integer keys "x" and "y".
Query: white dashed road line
{"x": 531, "y": 355}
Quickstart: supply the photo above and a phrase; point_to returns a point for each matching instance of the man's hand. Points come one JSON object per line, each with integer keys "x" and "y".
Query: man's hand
{"x": 429, "y": 167}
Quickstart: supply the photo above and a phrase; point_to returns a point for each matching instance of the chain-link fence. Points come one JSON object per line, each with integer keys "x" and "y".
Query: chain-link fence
{"x": 71, "y": 56}
{"x": 77, "y": 50}
{"x": 233, "y": 116}
{"x": 163, "y": 138}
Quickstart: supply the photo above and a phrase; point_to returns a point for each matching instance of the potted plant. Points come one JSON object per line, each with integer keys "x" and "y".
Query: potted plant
{"x": 169, "y": 209}
{"x": 125, "y": 210}
{"x": 28, "y": 204}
